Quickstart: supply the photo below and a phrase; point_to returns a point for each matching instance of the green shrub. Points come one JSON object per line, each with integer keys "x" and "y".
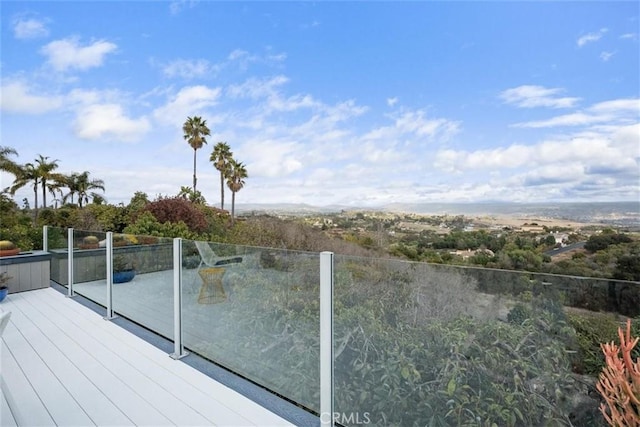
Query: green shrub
{"x": 518, "y": 314}
{"x": 25, "y": 237}
{"x": 592, "y": 329}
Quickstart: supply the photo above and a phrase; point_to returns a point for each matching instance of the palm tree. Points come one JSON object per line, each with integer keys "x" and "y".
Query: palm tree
{"x": 80, "y": 184}
{"x": 71, "y": 182}
{"x": 84, "y": 185}
{"x": 45, "y": 171}
{"x": 25, "y": 175}
{"x": 195, "y": 129}
{"x": 235, "y": 181}
{"x": 187, "y": 193}
{"x": 220, "y": 158}
{"x": 7, "y": 164}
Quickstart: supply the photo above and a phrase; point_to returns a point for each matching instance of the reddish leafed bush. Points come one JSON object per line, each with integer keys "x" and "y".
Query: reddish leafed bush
{"x": 174, "y": 209}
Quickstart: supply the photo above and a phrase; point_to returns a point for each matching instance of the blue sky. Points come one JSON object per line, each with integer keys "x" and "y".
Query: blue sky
{"x": 351, "y": 103}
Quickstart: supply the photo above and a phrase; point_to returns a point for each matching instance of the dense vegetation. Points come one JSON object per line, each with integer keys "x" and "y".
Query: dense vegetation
{"x": 607, "y": 253}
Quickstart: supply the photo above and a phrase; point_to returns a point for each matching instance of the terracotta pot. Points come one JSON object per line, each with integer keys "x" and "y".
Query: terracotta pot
{"x": 9, "y": 252}
{"x": 88, "y": 245}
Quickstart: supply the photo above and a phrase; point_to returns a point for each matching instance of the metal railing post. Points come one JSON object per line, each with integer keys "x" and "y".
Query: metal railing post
{"x": 70, "y": 262}
{"x": 109, "y": 256}
{"x": 326, "y": 339}
{"x": 178, "y": 352}
{"x": 45, "y": 238}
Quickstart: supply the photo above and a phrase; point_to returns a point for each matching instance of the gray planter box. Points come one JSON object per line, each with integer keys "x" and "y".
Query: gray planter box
{"x": 28, "y": 271}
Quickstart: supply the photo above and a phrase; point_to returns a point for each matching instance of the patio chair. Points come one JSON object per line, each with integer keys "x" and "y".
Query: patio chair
{"x": 4, "y": 320}
{"x": 211, "y": 290}
{"x": 210, "y": 259}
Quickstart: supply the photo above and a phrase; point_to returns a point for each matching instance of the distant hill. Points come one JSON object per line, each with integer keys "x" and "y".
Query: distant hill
{"x": 615, "y": 213}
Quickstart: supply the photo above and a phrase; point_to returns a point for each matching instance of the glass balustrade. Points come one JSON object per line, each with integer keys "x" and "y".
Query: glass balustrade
{"x": 143, "y": 281}
{"x": 57, "y": 245}
{"x": 413, "y": 343}
{"x": 424, "y": 344}
{"x": 256, "y": 312}
{"x": 90, "y": 265}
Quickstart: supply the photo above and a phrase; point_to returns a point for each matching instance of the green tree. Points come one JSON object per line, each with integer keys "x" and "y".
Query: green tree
{"x": 193, "y": 196}
{"x": 48, "y": 179}
{"x": 81, "y": 184}
{"x": 27, "y": 174}
{"x": 627, "y": 268}
{"x": 221, "y": 158}
{"x": 235, "y": 182}
{"x": 195, "y": 130}
{"x": 6, "y": 164}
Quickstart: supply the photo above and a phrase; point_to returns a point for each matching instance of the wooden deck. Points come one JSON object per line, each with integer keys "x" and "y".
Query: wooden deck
{"x": 62, "y": 364}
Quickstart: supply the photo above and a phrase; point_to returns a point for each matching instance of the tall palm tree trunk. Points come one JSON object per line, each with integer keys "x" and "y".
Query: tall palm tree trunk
{"x": 221, "y": 190}
{"x": 35, "y": 204}
{"x": 194, "y": 171}
{"x": 44, "y": 194}
{"x": 233, "y": 207}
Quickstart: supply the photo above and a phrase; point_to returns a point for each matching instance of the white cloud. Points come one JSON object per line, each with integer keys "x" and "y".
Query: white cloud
{"x": 17, "y": 97}
{"x": 530, "y": 96}
{"x": 189, "y": 69}
{"x": 276, "y": 57}
{"x": 274, "y": 100}
{"x": 272, "y": 158}
{"x": 619, "y": 110}
{"x": 30, "y": 28}
{"x": 392, "y": 101}
{"x": 617, "y": 106}
{"x": 189, "y": 101}
{"x": 292, "y": 103}
{"x": 414, "y": 126}
{"x": 606, "y": 56}
{"x": 108, "y": 121}
{"x": 591, "y": 37}
{"x": 629, "y": 36}
{"x": 68, "y": 54}
{"x": 177, "y": 6}
{"x": 417, "y": 123}
{"x": 373, "y": 153}
{"x": 552, "y": 174}
{"x": 610, "y": 150}
{"x": 243, "y": 58}
{"x": 255, "y": 88}
{"x": 574, "y": 119}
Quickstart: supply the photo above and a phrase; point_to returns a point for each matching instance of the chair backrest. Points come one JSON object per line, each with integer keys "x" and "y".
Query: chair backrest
{"x": 206, "y": 253}
{"x": 4, "y": 320}
{"x": 210, "y": 258}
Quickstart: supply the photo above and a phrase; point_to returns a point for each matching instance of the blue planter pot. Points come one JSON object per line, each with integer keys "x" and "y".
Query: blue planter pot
{"x": 3, "y": 293}
{"x": 123, "y": 276}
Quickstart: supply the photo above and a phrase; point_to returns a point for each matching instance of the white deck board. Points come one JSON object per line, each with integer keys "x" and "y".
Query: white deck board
{"x": 62, "y": 407}
{"x": 6, "y": 417}
{"x": 60, "y": 356}
{"x": 165, "y": 384}
{"x": 88, "y": 371}
{"x": 16, "y": 388}
{"x": 116, "y": 358}
{"x": 191, "y": 378}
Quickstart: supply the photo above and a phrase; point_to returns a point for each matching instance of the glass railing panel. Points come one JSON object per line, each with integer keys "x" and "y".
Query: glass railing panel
{"x": 255, "y": 311}
{"x": 143, "y": 281}
{"x": 90, "y": 265}
{"x": 57, "y": 246}
{"x": 423, "y": 344}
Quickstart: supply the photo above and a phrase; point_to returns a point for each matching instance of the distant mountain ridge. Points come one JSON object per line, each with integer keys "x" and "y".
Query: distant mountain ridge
{"x": 614, "y": 213}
